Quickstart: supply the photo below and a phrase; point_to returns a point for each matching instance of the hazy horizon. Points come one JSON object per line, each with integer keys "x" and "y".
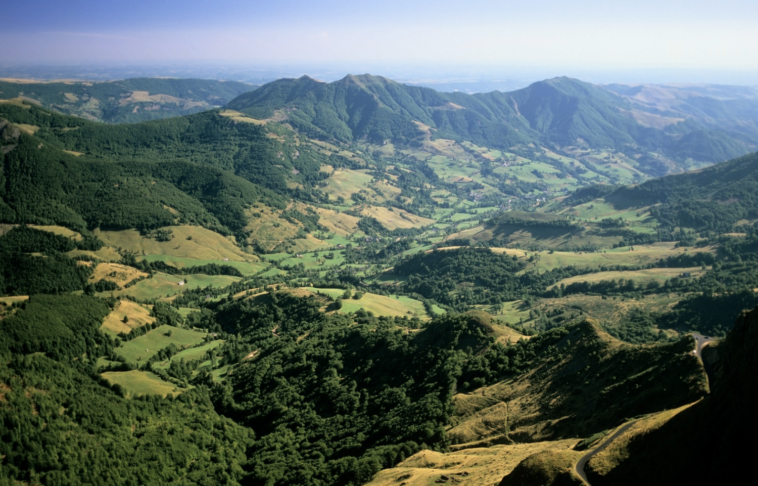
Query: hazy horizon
{"x": 419, "y": 42}
{"x": 443, "y": 78}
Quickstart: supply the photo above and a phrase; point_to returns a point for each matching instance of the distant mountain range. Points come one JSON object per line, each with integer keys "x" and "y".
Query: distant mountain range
{"x": 126, "y": 101}
{"x": 699, "y": 124}
{"x": 664, "y": 129}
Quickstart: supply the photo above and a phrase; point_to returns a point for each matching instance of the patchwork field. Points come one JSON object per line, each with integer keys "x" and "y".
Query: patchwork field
{"x": 338, "y": 223}
{"x": 268, "y": 228}
{"x": 13, "y": 299}
{"x": 106, "y": 254}
{"x": 144, "y": 347}
{"x": 642, "y": 255}
{"x": 247, "y": 268}
{"x": 346, "y": 182}
{"x": 514, "y": 312}
{"x": 397, "y": 218}
{"x": 239, "y": 117}
{"x": 59, "y": 230}
{"x": 140, "y": 383}
{"x": 609, "y": 310}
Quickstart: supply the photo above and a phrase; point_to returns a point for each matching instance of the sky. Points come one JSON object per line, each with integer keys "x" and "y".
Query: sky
{"x": 580, "y": 34}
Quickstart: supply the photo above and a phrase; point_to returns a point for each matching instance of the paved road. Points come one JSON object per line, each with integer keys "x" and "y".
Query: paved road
{"x": 701, "y": 342}
{"x": 579, "y": 468}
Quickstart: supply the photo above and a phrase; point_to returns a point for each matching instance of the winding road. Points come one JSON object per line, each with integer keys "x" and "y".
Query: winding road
{"x": 579, "y": 468}
{"x": 701, "y": 342}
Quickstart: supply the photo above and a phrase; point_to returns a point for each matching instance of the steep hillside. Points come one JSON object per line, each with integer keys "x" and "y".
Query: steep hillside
{"x": 592, "y": 384}
{"x": 710, "y": 434}
{"x": 128, "y": 100}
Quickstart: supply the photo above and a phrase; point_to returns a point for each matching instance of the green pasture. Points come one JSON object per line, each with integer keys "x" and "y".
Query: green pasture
{"x": 191, "y": 354}
{"x": 247, "y": 268}
{"x": 380, "y": 305}
{"x": 162, "y": 285}
{"x": 144, "y": 347}
{"x": 140, "y": 383}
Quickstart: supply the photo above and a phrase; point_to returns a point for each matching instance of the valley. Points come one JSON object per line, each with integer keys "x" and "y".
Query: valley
{"x": 365, "y": 282}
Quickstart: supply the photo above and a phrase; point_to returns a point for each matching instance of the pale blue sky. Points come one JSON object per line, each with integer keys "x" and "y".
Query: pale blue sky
{"x": 591, "y": 34}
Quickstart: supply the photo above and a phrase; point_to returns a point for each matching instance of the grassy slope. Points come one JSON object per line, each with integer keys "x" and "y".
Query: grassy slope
{"x": 638, "y": 276}
{"x": 140, "y": 383}
{"x": 642, "y": 255}
{"x": 163, "y": 285}
{"x": 203, "y": 245}
{"x": 380, "y": 305}
{"x": 128, "y": 100}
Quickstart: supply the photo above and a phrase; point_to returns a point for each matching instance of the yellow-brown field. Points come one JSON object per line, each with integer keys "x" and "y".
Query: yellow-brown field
{"x": 397, "y": 218}
{"x": 188, "y": 242}
{"x": 648, "y": 275}
{"x": 115, "y": 272}
{"x": 138, "y": 316}
{"x": 338, "y": 223}
{"x": 475, "y": 467}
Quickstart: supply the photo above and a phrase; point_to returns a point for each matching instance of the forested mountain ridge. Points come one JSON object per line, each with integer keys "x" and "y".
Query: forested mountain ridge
{"x": 203, "y": 138}
{"x": 128, "y": 100}
{"x": 376, "y": 109}
{"x": 559, "y": 113}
